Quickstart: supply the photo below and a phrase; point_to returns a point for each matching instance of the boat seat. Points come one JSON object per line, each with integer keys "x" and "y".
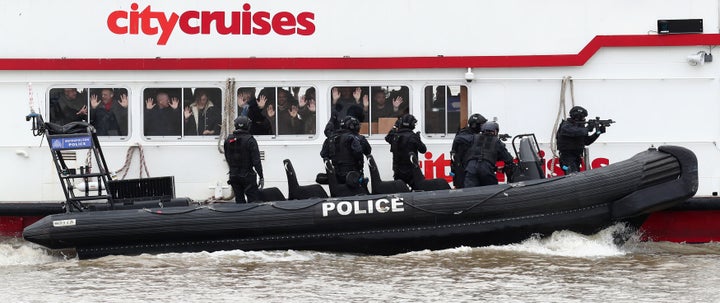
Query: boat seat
{"x": 384, "y": 187}
{"x": 337, "y": 189}
{"x": 432, "y": 184}
{"x": 272, "y": 194}
{"x": 298, "y": 192}
{"x": 422, "y": 184}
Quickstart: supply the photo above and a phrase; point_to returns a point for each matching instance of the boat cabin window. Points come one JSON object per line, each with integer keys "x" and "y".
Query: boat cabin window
{"x": 377, "y": 107}
{"x": 279, "y": 111}
{"x": 105, "y": 108}
{"x": 445, "y": 109}
{"x": 182, "y": 111}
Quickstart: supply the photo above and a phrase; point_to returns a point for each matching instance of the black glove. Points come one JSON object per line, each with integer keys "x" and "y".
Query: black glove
{"x": 590, "y": 127}
{"x": 328, "y": 164}
{"x": 509, "y": 169}
{"x": 261, "y": 183}
{"x": 601, "y": 129}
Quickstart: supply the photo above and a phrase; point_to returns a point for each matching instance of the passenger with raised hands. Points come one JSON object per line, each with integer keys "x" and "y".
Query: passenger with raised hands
{"x": 110, "y": 118}
{"x": 202, "y": 117}
{"x": 72, "y": 107}
{"x": 162, "y": 115}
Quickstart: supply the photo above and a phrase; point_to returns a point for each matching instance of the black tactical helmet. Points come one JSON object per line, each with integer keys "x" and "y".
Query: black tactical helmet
{"x": 476, "y": 121}
{"x": 578, "y": 113}
{"x": 242, "y": 122}
{"x": 408, "y": 121}
{"x": 490, "y": 127}
{"x": 349, "y": 122}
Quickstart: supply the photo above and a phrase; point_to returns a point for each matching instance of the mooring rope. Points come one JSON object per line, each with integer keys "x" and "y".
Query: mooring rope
{"x": 128, "y": 160}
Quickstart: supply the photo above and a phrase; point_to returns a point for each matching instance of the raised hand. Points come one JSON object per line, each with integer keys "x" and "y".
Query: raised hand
{"x": 302, "y": 102}
{"x": 123, "y": 100}
{"x": 82, "y": 112}
{"x": 188, "y": 113}
{"x": 397, "y": 101}
{"x": 311, "y": 105}
{"x": 174, "y": 102}
{"x": 94, "y": 102}
{"x": 149, "y": 103}
{"x": 335, "y": 95}
{"x": 366, "y": 101}
{"x": 261, "y": 101}
{"x": 356, "y": 94}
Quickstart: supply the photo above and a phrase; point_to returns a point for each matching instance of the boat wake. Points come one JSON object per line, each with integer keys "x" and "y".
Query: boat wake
{"x": 15, "y": 251}
{"x": 569, "y": 244}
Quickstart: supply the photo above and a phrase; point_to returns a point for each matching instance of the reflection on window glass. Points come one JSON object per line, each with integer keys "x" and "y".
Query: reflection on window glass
{"x": 202, "y": 111}
{"x": 278, "y": 110}
{"x": 442, "y": 108}
{"x": 162, "y": 111}
{"x": 377, "y": 107}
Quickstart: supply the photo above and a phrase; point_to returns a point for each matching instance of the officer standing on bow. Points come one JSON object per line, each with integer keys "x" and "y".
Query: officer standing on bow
{"x": 242, "y": 155}
{"x": 405, "y": 146}
{"x": 572, "y": 137}
{"x": 345, "y": 149}
{"x": 462, "y": 142}
{"x": 485, "y": 151}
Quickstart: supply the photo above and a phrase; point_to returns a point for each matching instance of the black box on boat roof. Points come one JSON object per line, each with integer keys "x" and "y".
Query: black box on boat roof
{"x": 680, "y": 26}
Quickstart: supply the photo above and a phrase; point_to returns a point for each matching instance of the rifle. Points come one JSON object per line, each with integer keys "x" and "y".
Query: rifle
{"x": 599, "y": 123}
{"x": 504, "y": 137}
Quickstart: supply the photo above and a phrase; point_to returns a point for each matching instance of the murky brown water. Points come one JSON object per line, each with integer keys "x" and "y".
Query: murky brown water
{"x": 566, "y": 267}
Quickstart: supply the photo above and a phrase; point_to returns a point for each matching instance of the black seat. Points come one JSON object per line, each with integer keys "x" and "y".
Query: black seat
{"x": 384, "y": 187}
{"x": 272, "y": 194}
{"x": 337, "y": 189}
{"x": 297, "y": 192}
{"x": 422, "y": 184}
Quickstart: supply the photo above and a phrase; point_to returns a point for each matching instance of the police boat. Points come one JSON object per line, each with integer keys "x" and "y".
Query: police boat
{"x": 387, "y": 223}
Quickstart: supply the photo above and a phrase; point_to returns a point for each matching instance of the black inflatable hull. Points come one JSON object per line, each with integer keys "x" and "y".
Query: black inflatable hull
{"x": 388, "y": 224}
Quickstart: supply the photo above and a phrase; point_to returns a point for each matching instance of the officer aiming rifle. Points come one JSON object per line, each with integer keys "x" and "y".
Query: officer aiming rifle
{"x": 574, "y": 134}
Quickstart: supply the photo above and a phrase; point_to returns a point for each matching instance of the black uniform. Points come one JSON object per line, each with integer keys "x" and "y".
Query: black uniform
{"x": 572, "y": 137}
{"x": 480, "y": 160}
{"x": 462, "y": 142}
{"x": 242, "y": 155}
{"x": 405, "y": 146}
{"x": 345, "y": 148}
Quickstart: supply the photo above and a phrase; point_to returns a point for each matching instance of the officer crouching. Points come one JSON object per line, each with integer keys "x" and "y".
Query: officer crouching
{"x": 483, "y": 154}
{"x": 242, "y": 155}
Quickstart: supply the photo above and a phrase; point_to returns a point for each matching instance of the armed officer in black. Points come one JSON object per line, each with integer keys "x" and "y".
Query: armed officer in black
{"x": 572, "y": 137}
{"x": 242, "y": 155}
{"x": 345, "y": 148}
{"x": 405, "y": 146}
{"x": 462, "y": 142}
{"x": 485, "y": 151}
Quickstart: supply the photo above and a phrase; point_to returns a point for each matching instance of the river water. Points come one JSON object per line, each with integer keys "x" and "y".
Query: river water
{"x": 564, "y": 267}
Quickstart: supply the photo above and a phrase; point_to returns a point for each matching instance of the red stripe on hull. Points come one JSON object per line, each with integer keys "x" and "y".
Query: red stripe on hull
{"x": 12, "y": 226}
{"x": 578, "y": 59}
{"x": 689, "y": 226}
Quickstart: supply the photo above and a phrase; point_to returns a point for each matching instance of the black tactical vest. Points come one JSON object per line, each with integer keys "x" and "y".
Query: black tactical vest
{"x": 484, "y": 147}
